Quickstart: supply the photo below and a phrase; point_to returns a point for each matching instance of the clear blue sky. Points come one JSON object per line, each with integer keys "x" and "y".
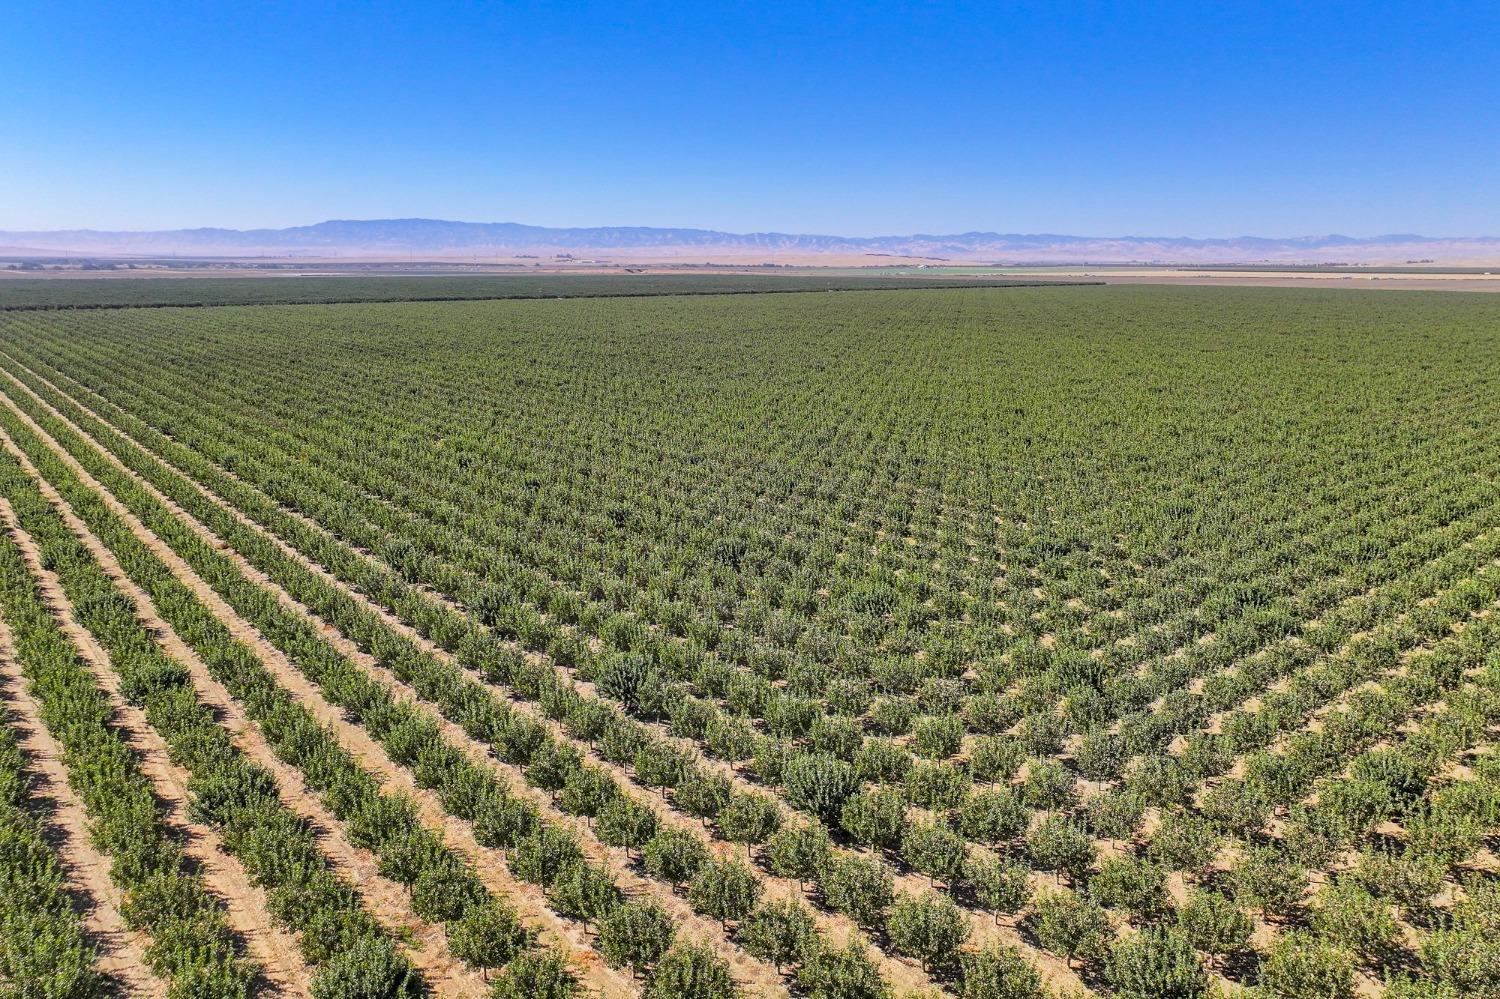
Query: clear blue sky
{"x": 1202, "y": 118}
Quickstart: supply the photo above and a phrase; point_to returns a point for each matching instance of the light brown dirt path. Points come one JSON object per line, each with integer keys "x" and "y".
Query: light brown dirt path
{"x": 386, "y": 898}
{"x": 120, "y": 949}
{"x": 273, "y": 949}
{"x": 900, "y": 973}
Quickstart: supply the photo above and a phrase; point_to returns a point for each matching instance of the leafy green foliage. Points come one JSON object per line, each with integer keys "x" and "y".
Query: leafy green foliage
{"x": 1156, "y": 964}
{"x": 779, "y": 932}
{"x": 1070, "y": 925}
{"x": 536, "y": 975}
{"x": 691, "y": 970}
{"x": 1213, "y": 924}
{"x": 636, "y": 935}
{"x": 1302, "y": 967}
{"x": 929, "y": 928}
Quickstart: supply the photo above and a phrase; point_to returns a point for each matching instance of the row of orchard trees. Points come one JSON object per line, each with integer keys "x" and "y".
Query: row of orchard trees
{"x": 42, "y": 940}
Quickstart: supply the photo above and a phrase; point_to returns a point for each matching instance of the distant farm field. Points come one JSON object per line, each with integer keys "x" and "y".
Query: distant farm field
{"x": 995, "y": 642}
{"x": 21, "y": 293}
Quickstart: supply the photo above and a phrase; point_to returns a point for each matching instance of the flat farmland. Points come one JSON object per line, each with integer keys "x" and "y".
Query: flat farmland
{"x": 991, "y": 642}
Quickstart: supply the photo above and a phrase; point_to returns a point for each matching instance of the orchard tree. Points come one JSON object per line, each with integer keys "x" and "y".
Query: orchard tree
{"x": 881, "y": 761}
{"x": 1159, "y": 780}
{"x": 935, "y": 850}
{"x": 702, "y": 795}
{"x": 552, "y": 765}
{"x": 749, "y": 819}
{"x": 630, "y": 679}
{"x": 788, "y": 716}
{"x": 1059, "y": 844}
{"x": 1464, "y": 958}
{"x": 893, "y": 715}
{"x": 800, "y": 852}
{"x": 537, "y": 974}
{"x": 1237, "y": 811}
{"x": 626, "y": 823}
{"x": 1001, "y": 886}
{"x": 519, "y": 739}
{"x": 691, "y": 970}
{"x": 586, "y": 791}
{"x": 875, "y": 818}
{"x": 730, "y": 739}
{"x": 1101, "y": 756}
{"x": 1183, "y": 842}
{"x": 1130, "y": 883}
{"x": 621, "y": 740}
{"x": 587, "y": 720}
{"x": 380, "y": 821}
{"x": 843, "y": 973}
{"x": 369, "y": 969}
{"x": 778, "y": 932}
{"x": 860, "y": 887}
{"x": 989, "y": 712}
{"x": 1351, "y": 917}
{"x": 725, "y": 890}
{"x": 660, "y": 765}
{"x": 835, "y": 736}
{"x": 998, "y": 972}
{"x": 1300, "y": 966}
{"x": 674, "y": 856}
{"x": 445, "y": 891}
{"x": 584, "y": 891}
{"x": 929, "y": 928}
{"x": 488, "y": 936}
{"x": 819, "y": 784}
{"x": 772, "y": 756}
{"x": 935, "y": 785}
{"x": 1068, "y": 924}
{"x": 937, "y": 738}
{"x": 995, "y": 759}
{"x": 1214, "y": 924}
{"x": 1114, "y": 814}
{"x": 501, "y": 820}
{"x": 1267, "y": 879}
{"x": 1405, "y": 878}
{"x": 636, "y": 935}
{"x": 1312, "y": 837}
{"x": 1155, "y": 964}
{"x": 996, "y": 816}
{"x": 1041, "y": 733}
{"x": 543, "y": 854}
{"x": 1049, "y": 785}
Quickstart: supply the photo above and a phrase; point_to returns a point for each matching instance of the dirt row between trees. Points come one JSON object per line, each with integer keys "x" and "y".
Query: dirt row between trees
{"x": 899, "y": 972}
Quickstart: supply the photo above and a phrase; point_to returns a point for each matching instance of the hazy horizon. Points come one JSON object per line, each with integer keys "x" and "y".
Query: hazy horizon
{"x": 805, "y": 232}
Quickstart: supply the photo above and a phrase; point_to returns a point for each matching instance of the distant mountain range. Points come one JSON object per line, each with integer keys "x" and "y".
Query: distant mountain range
{"x": 437, "y": 238}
